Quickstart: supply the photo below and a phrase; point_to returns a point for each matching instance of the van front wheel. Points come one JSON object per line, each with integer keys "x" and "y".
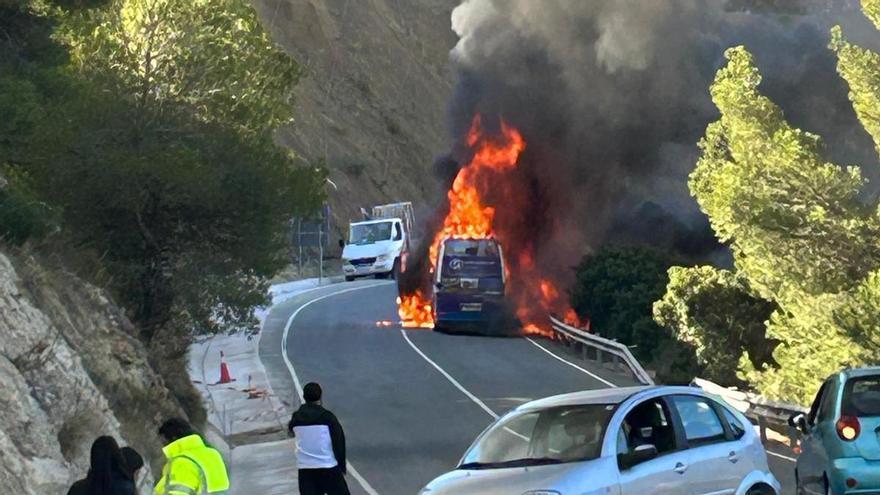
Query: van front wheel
{"x": 395, "y": 270}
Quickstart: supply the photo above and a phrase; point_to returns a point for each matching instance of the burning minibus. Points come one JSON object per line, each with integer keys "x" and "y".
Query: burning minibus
{"x": 469, "y": 285}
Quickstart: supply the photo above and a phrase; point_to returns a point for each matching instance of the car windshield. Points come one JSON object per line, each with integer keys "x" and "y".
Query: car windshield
{"x": 370, "y": 232}
{"x": 471, "y": 247}
{"x": 861, "y": 397}
{"x": 548, "y": 436}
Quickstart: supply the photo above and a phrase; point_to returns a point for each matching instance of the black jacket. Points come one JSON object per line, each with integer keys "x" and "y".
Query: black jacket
{"x": 311, "y": 414}
{"x": 122, "y": 485}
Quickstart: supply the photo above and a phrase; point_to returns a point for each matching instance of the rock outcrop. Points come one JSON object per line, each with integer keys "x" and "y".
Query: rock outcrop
{"x": 71, "y": 369}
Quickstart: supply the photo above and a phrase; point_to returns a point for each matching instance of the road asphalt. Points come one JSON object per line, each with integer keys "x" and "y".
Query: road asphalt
{"x": 412, "y": 401}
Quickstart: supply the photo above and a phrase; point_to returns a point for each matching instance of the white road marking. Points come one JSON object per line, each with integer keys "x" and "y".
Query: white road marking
{"x": 787, "y": 458}
{"x": 298, "y": 386}
{"x": 593, "y": 375}
{"x": 453, "y": 381}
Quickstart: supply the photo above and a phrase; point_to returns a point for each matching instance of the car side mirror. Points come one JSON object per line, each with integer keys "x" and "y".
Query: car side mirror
{"x": 641, "y": 454}
{"x": 799, "y": 421}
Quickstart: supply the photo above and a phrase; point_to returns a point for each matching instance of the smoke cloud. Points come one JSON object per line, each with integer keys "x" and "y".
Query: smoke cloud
{"x": 612, "y": 97}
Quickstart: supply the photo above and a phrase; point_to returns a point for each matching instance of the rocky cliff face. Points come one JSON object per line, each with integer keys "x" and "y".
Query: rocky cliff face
{"x": 371, "y": 104}
{"x": 70, "y": 370}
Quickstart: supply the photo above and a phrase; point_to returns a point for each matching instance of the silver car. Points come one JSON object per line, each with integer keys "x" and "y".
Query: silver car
{"x": 622, "y": 441}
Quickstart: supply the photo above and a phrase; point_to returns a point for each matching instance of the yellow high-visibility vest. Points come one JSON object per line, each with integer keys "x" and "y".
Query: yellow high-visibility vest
{"x": 192, "y": 468}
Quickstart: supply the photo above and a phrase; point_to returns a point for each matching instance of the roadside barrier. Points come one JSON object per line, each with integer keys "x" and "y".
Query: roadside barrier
{"x": 596, "y": 348}
{"x": 765, "y": 413}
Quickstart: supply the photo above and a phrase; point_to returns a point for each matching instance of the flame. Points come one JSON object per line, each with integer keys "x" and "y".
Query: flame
{"x": 415, "y": 311}
{"x": 494, "y": 158}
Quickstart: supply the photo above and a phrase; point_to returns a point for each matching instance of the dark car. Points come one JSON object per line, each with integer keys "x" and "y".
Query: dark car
{"x": 469, "y": 287}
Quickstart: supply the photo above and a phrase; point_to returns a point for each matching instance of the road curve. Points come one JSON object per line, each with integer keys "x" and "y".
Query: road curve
{"x": 410, "y": 401}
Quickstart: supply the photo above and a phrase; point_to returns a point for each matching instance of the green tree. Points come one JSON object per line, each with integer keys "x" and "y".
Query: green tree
{"x": 800, "y": 234}
{"x": 711, "y": 310}
{"x": 210, "y": 58}
{"x": 615, "y": 288}
{"x": 155, "y": 143}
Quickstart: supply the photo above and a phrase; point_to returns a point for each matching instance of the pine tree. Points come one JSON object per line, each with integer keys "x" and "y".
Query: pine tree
{"x": 801, "y": 236}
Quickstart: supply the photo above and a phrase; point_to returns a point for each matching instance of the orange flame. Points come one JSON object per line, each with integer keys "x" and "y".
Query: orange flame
{"x": 415, "y": 311}
{"x": 468, "y": 217}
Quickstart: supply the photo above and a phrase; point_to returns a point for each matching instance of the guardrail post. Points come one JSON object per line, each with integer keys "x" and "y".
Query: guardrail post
{"x": 793, "y": 436}
{"x": 762, "y": 427}
{"x": 599, "y": 356}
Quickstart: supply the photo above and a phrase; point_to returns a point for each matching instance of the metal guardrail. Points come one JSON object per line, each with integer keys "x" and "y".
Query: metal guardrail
{"x": 618, "y": 351}
{"x": 765, "y": 413}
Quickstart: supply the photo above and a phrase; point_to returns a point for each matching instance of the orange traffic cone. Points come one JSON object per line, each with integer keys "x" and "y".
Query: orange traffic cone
{"x": 225, "y": 377}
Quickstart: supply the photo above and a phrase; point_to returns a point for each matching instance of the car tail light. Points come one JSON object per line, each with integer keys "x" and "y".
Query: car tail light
{"x": 848, "y": 428}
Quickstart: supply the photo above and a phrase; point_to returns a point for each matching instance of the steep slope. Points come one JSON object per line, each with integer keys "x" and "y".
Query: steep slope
{"x": 70, "y": 370}
{"x": 371, "y": 103}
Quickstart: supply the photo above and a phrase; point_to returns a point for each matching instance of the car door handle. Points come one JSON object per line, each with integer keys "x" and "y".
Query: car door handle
{"x": 680, "y": 468}
{"x": 732, "y": 457}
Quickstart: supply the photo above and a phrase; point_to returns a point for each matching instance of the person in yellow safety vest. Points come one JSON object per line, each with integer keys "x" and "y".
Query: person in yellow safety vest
{"x": 191, "y": 467}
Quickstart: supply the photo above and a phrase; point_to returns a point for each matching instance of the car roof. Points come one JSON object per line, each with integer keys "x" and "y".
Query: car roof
{"x": 587, "y": 397}
{"x": 859, "y": 372}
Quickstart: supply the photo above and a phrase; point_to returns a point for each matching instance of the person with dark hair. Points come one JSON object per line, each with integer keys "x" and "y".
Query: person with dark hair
{"x": 133, "y": 461}
{"x": 320, "y": 446}
{"x": 191, "y": 467}
{"x": 108, "y": 473}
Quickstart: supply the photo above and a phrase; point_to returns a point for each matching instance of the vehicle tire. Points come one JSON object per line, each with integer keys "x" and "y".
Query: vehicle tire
{"x": 760, "y": 490}
{"x": 395, "y": 270}
{"x": 349, "y": 278}
{"x": 827, "y": 486}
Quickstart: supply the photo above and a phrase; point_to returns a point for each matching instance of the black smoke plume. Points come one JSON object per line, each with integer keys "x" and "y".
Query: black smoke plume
{"x": 612, "y": 97}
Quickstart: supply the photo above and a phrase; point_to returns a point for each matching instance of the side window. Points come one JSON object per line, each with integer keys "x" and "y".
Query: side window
{"x": 814, "y": 409}
{"x": 398, "y": 235}
{"x": 647, "y": 424}
{"x": 826, "y": 408}
{"x": 701, "y": 424}
{"x": 736, "y": 427}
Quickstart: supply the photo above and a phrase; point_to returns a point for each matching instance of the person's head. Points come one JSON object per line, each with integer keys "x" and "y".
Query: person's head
{"x": 133, "y": 461}
{"x": 105, "y": 458}
{"x": 312, "y": 393}
{"x": 174, "y": 429}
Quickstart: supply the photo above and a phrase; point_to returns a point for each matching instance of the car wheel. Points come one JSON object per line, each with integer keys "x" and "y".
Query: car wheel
{"x": 395, "y": 270}
{"x": 760, "y": 490}
{"x": 827, "y": 486}
{"x": 349, "y": 278}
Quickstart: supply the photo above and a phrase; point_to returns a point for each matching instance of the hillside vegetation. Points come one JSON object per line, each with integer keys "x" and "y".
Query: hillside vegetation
{"x": 371, "y": 103}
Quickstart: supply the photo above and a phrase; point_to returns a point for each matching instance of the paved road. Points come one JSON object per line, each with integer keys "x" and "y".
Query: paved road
{"x": 411, "y": 401}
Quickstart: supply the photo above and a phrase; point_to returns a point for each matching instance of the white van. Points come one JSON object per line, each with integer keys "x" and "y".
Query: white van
{"x": 379, "y": 244}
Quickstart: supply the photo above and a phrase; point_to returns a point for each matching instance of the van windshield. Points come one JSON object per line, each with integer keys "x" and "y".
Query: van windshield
{"x": 370, "y": 233}
{"x": 548, "y": 436}
{"x": 471, "y": 247}
{"x": 861, "y": 397}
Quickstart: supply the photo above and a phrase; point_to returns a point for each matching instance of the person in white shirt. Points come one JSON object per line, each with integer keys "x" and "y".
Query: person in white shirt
{"x": 320, "y": 446}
